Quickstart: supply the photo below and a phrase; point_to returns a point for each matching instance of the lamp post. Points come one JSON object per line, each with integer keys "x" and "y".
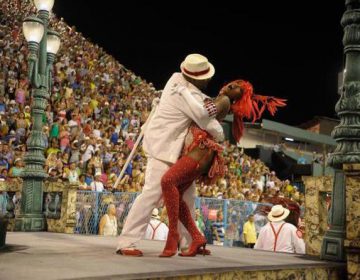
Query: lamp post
{"x": 43, "y": 45}
{"x": 346, "y": 134}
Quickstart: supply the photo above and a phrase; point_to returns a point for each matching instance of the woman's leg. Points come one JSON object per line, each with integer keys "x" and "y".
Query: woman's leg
{"x": 185, "y": 215}
{"x": 182, "y": 172}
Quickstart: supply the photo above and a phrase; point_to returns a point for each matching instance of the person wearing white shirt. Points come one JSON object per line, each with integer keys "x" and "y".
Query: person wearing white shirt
{"x": 181, "y": 104}
{"x": 156, "y": 229}
{"x": 97, "y": 185}
{"x": 89, "y": 152}
{"x": 279, "y": 236}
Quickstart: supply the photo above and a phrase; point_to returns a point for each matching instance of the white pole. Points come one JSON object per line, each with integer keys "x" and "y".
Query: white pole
{"x": 154, "y": 106}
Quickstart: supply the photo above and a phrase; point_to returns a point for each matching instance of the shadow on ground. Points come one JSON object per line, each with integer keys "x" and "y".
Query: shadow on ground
{"x": 13, "y": 248}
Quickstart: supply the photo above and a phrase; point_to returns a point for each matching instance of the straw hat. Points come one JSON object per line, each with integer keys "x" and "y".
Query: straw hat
{"x": 155, "y": 214}
{"x": 278, "y": 213}
{"x": 197, "y": 66}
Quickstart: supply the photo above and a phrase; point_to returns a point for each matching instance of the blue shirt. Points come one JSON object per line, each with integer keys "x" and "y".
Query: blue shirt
{"x": 88, "y": 180}
{"x": 129, "y": 169}
{"x": 114, "y": 138}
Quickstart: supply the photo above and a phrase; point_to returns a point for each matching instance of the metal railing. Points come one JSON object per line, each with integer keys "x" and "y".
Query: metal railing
{"x": 227, "y": 215}
{"x": 91, "y": 206}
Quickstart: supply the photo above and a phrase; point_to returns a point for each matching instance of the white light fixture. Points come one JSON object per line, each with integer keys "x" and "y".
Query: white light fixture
{"x": 44, "y": 5}
{"x": 289, "y": 139}
{"x": 53, "y": 42}
{"x": 33, "y": 29}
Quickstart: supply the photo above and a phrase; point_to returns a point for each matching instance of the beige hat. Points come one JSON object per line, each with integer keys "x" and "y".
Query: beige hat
{"x": 278, "y": 213}
{"x": 197, "y": 66}
{"x": 155, "y": 214}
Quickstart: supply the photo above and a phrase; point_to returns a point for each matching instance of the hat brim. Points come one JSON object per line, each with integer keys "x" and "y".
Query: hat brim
{"x": 206, "y": 76}
{"x": 281, "y": 218}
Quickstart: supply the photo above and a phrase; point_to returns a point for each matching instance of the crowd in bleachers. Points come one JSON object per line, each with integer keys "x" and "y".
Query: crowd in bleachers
{"x": 247, "y": 179}
{"x": 93, "y": 118}
{"x": 94, "y": 114}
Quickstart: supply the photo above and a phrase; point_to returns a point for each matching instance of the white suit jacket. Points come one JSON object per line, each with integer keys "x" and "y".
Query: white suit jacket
{"x": 181, "y": 103}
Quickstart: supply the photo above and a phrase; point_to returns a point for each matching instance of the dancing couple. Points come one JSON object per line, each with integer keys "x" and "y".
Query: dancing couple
{"x": 182, "y": 144}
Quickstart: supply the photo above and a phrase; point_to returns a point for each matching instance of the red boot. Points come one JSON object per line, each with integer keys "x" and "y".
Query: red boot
{"x": 195, "y": 246}
{"x": 199, "y": 241}
{"x": 181, "y": 173}
{"x": 171, "y": 247}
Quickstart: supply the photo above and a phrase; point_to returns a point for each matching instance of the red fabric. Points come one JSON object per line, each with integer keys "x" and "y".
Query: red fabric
{"x": 197, "y": 73}
{"x": 174, "y": 183}
{"x": 249, "y": 105}
{"x": 204, "y": 140}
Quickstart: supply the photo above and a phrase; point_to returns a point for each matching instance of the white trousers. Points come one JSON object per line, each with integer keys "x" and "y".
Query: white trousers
{"x": 140, "y": 213}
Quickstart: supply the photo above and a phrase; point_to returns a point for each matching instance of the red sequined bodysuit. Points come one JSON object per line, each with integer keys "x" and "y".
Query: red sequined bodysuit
{"x": 199, "y": 138}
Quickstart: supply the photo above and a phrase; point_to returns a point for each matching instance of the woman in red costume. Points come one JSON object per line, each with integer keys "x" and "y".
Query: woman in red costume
{"x": 201, "y": 157}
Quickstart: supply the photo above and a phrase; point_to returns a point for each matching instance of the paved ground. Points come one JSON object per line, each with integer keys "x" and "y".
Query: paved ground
{"x": 45, "y": 256}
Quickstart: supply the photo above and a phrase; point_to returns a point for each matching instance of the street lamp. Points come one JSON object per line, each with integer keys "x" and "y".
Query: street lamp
{"x": 43, "y": 44}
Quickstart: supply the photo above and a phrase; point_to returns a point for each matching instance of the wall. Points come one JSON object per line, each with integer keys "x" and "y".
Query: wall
{"x": 352, "y": 241}
{"x": 67, "y": 220}
{"x": 316, "y": 212}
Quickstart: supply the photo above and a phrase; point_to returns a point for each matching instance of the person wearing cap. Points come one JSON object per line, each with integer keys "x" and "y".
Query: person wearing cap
{"x": 156, "y": 229}
{"x": 97, "y": 185}
{"x": 278, "y": 235}
{"x": 182, "y": 103}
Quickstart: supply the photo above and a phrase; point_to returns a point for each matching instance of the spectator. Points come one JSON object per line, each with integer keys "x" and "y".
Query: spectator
{"x": 108, "y": 223}
{"x": 17, "y": 169}
{"x": 249, "y": 232}
{"x": 72, "y": 174}
{"x": 199, "y": 221}
{"x": 279, "y": 236}
{"x": 218, "y": 229}
{"x": 97, "y": 185}
{"x": 156, "y": 229}
{"x": 82, "y": 183}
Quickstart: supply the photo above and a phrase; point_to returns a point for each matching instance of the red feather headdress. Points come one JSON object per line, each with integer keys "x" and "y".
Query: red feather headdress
{"x": 250, "y": 106}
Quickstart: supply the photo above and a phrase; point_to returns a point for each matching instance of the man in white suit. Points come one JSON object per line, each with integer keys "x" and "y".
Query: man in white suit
{"x": 181, "y": 103}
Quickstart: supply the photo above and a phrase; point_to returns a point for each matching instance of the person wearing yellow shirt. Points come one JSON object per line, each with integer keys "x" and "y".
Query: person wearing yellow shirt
{"x": 289, "y": 188}
{"x": 250, "y": 232}
{"x": 94, "y": 103}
